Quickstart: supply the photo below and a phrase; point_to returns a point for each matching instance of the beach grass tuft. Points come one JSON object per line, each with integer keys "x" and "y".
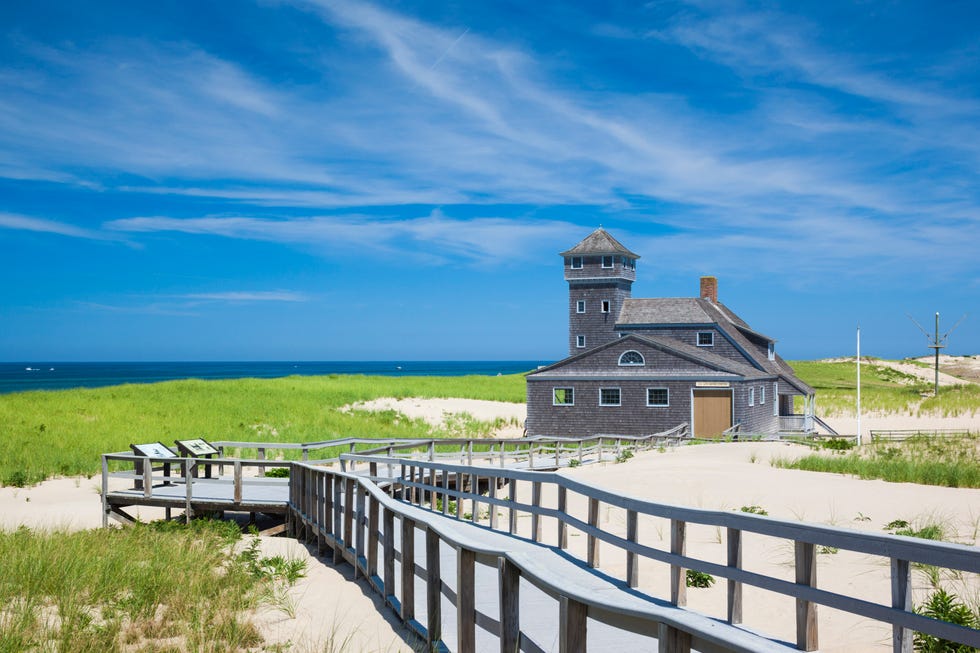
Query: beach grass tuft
{"x": 157, "y": 586}
{"x": 948, "y": 461}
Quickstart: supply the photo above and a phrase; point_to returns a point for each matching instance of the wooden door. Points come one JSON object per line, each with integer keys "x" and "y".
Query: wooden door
{"x": 712, "y": 412}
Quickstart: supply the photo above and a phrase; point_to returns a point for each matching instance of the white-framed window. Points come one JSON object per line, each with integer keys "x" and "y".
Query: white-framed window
{"x": 706, "y": 338}
{"x": 563, "y": 397}
{"x": 658, "y": 397}
{"x": 576, "y": 262}
{"x": 605, "y": 305}
{"x": 580, "y": 341}
{"x": 607, "y": 261}
{"x": 751, "y": 396}
{"x": 762, "y": 395}
{"x": 580, "y": 306}
{"x": 772, "y": 351}
{"x": 631, "y": 357}
{"x": 775, "y": 399}
{"x": 609, "y": 397}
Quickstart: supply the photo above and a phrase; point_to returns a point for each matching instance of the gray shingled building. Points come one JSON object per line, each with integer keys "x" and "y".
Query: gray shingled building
{"x": 640, "y": 366}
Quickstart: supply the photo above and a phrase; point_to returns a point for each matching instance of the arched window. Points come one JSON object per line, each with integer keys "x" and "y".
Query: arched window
{"x": 631, "y": 358}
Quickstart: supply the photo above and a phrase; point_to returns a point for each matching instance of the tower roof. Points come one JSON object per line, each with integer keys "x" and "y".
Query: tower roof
{"x": 599, "y": 242}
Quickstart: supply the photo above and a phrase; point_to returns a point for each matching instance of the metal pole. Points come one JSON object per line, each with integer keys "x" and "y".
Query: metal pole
{"x": 859, "y": 385}
{"x": 937, "y": 353}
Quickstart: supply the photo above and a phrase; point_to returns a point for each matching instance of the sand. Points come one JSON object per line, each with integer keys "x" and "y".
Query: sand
{"x": 330, "y": 611}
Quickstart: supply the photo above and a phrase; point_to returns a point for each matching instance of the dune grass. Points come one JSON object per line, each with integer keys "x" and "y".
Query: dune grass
{"x": 156, "y": 587}
{"x": 47, "y": 433}
{"x": 945, "y": 461}
{"x": 883, "y": 390}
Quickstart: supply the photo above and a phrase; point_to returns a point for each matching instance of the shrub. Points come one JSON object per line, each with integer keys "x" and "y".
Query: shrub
{"x": 945, "y": 607}
{"x": 838, "y": 444}
{"x": 699, "y": 579}
{"x": 755, "y": 510}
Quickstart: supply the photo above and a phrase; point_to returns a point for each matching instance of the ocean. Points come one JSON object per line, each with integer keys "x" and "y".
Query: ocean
{"x": 19, "y": 377}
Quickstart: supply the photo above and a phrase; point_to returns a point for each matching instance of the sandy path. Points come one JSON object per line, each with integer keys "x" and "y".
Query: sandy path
{"x": 436, "y": 411}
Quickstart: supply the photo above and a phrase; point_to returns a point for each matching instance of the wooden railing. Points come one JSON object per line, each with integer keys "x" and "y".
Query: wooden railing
{"x": 427, "y": 484}
{"x": 898, "y": 435}
{"x": 354, "y": 516}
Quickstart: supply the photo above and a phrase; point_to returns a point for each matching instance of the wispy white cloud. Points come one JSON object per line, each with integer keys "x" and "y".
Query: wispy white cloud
{"x": 434, "y": 237}
{"x": 27, "y": 223}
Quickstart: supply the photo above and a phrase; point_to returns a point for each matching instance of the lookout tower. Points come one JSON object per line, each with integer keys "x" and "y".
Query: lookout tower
{"x": 600, "y": 273}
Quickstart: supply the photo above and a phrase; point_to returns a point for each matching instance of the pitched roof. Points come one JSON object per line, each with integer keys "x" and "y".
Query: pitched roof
{"x": 719, "y": 366}
{"x": 697, "y": 311}
{"x": 599, "y": 242}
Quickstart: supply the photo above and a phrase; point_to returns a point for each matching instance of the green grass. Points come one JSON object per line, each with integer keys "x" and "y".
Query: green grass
{"x": 946, "y": 461}
{"x": 48, "y": 433}
{"x": 146, "y": 588}
{"x": 883, "y": 390}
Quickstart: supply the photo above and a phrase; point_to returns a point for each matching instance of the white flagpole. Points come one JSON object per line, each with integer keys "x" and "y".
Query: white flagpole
{"x": 859, "y": 385}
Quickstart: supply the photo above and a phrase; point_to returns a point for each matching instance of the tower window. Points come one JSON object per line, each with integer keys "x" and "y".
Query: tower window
{"x": 576, "y": 262}
{"x": 609, "y": 397}
{"x": 762, "y": 395}
{"x": 563, "y": 397}
{"x": 706, "y": 339}
{"x": 775, "y": 399}
{"x": 772, "y": 351}
{"x": 580, "y": 341}
{"x": 607, "y": 261}
{"x": 605, "y": 305}
{"x": 629, "y": 264}
{"x": 580, "y": 306}
{"x": 658, "y": 397}
{"x": 751, "y": 396}
{"x": 631, "y": 357}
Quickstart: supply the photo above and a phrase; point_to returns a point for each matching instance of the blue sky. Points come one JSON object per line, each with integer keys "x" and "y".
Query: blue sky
{"x": 331, "y": 180}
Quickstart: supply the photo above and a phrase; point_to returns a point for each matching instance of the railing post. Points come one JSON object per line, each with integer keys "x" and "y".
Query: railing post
{"x": 806, "y": 611}
{"x": 389, "y": 555}
{"x": 535, "y": 517}
{"x": 359, "y": 529}
{"x": 492, "y": 483}
{"x": 557, "y": 453}
{"x": 632, "y": 560}
{"x": 433, "y": 589}
{"x": 188, "y": 470}
{"x": 672, "y": 640}
{"x": 261, "y": 453}
{"x": 408, "y": 569}
{"x": 510, "y": 606}
{"x": 562, "y": 508}
{"x": 372, "y": 539}
{"x": 238, "y": 482}
{"x": 466, "y": 601}
{"x": 105, "y": 492}
{"x": 474, "y": 490}
{"x": 469, "y": 453}
{"x": 322, "y": 513}
{"x": 148, "y": 478}
{"x": 432, "y": 451}
{"x": 572, "y": 626}
{"x": 502, "y": 454}
{"x": 512, "y": 515}
{"x": 592, "y": 551}
{"x": 901, "y": 599}
{"x": 678, "y": 577}
{"x": 338, "y": 517}
{"x": 599, "y": 451}
{"x": 349, "y": 517}
{"x": 734, "y": 587}
{"x": 445, "y": 492}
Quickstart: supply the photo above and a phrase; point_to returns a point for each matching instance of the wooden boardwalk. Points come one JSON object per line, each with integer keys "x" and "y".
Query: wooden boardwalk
{"x": 458, "y": 549}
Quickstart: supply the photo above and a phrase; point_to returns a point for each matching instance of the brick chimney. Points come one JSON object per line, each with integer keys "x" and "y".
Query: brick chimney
{"x": 709, "y": 289}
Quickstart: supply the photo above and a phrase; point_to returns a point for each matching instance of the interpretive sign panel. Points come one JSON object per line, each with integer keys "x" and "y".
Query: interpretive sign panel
{"x": 198, "y": 447}
{"x": 153, "y": 450}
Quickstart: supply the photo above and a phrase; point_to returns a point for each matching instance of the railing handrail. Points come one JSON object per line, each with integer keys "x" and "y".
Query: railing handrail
{"x": 943, "y": 554}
